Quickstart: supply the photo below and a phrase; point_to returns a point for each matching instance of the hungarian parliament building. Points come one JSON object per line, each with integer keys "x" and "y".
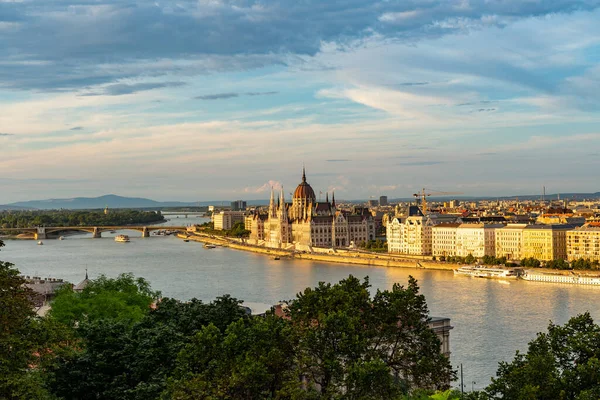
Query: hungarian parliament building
{"x": 305, "y": 224}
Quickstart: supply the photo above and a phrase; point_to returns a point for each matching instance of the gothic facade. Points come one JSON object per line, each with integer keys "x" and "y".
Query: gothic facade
{"x": 305, "y": 223}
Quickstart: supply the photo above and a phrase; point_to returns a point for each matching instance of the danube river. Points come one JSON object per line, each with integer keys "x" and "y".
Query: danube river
{"x": 491, "y": 319}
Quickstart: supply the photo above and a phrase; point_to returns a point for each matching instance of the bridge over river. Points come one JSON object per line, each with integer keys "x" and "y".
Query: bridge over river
{"x": 96, "y": 231}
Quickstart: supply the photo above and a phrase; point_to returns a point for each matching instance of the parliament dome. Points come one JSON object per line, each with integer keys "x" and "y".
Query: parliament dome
{"x": 304, "y": 190}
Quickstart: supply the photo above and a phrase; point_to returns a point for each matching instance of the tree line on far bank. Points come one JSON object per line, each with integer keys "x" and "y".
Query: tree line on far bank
{"x": 30, "y": 219}
{"x": 118, "y": 339}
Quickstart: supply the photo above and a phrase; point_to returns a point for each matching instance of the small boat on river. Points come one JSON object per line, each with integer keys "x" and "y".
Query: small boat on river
{"x": 209, "y": 246}
{"x": 40, "y": 243}
{"x": 122, "y": 238}
{"x": 480, "y": 271}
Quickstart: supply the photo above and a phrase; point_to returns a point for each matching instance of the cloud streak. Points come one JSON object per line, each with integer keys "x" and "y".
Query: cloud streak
{"x": 120, "y": 89}
{"x": 231, "y": 95}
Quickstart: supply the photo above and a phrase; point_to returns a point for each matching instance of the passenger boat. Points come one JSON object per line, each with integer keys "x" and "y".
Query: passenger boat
{"x": 40, "y": 243}
{"x": 61, "y": 238}
{"x": 480, "y": 271}
{"x": 122, "y": 238}
{"x": 209, "y": 246}
{"x": 572, "y": 279}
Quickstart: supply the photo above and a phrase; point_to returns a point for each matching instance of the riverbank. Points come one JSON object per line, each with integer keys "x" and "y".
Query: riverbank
{"x": 345, "y": 257}
{"x": 353, "y": 257}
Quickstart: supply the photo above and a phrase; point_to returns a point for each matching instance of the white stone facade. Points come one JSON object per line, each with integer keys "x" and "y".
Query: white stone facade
{"x": 476, "y": 239}
{"x": 509, "y": 241}
{"x": 227, "y": 219}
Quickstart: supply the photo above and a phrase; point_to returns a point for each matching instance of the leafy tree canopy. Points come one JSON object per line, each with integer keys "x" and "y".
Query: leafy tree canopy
{"x": 563, "y": 363}
{"x": 117, "y": 359}
{"x": 123, "y": 298}
{"x": 380, "y": 346}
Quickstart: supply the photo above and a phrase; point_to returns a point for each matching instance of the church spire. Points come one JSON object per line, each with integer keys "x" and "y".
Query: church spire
{"x": 333, "y": 199}
{"x": 272, "y": 204}
{"x": 326, "y": 197}
{"x": 282, "y": 209}
{"x": 303, "y": 174}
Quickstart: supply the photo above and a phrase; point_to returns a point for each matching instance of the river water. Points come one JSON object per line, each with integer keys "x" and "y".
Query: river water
{"x": 492, "y": 319}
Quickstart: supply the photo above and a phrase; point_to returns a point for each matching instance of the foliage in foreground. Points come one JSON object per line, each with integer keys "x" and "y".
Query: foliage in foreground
{"x": 124, "y": 298}
{"x": 563, "y": 363}
{"x": 335, "y": 341}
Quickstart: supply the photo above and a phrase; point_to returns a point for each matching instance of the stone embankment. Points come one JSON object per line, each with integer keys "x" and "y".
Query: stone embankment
{"x": 346, "y": 257}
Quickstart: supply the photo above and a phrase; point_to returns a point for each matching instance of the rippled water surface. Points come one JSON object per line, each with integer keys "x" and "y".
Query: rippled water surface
{"x": 491, "y": 319}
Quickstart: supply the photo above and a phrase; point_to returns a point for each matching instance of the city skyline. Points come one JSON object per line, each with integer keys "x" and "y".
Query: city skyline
{"x": 215, "y": 100}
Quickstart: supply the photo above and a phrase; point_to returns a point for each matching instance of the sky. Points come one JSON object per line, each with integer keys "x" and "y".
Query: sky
{"x": 224, "y": 99}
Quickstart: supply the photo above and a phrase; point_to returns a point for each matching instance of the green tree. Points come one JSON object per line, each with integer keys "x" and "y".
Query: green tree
{"x": 252, "y": 359}
{"x": 25, "y": 340}
{"x": 118, "y": 359}
{"x": 530, "y": 262}
{"x": 469, "y": 259}
{"x": 16, "y": 312}
{"x": 123, "y": 298}
{"x": 351, "y": 343}
{"x": 563, "y": 363}
{"x": 558, "y": 264}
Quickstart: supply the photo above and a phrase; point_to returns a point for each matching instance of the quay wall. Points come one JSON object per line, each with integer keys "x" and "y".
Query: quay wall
{"x": 343, "y": 256}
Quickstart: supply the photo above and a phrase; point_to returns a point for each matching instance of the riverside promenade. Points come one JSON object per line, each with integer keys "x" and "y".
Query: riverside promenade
{"x": 339, "y": 256}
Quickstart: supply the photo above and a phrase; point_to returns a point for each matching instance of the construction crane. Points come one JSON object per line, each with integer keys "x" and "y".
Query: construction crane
{"x": 422, "y": 196}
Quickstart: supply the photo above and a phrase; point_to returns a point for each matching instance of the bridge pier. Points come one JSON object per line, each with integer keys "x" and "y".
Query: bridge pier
{"x": 96, "y": 234}
{"x": 145, "y": 232}
{"x": 40, "y": 233}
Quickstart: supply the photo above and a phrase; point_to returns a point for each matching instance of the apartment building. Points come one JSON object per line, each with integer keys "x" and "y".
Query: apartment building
{"x": 584, "y": 242}
{"x": 545, "y": 242}
{"x": 226, "y": 219}
{"x": 443, "y": 239}
{"x": 509, "y": 241}
{"x": 410, "y": 234}
{"x": 477, "y": 239}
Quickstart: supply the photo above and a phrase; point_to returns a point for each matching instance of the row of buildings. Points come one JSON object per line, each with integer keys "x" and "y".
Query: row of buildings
{"x": 418, "y": 234}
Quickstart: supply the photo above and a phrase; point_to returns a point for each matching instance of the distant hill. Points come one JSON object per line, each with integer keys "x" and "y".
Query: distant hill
{"x": 5, "y": 207}
{"x": 114, "y": 201}
{"x": 110, "y": 201}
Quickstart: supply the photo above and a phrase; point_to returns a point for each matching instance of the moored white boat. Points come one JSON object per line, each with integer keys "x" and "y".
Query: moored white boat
{"x": 573, "y": 279}
{"x": 122, "y": 238}
{"x": 480, "y": 271}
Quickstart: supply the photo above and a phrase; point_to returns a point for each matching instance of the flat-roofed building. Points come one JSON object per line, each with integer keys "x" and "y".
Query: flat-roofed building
{"x": 509, "y": 241}
{"x": 443, "y": 239}
{"x": 238, "y": 205}
{"x": 584, "y": 242}
{"x": 476, "y": 239}
{"x": 226, "y": 219}
{"x": 545, "y": 242}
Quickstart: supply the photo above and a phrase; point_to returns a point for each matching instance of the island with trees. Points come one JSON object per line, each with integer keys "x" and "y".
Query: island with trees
{"x": 49, "y": 218}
